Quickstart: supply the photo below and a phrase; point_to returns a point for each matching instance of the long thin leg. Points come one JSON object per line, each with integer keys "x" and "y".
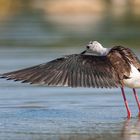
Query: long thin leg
{"x": 137, "y": 100}
{"x": 126, "y": 104}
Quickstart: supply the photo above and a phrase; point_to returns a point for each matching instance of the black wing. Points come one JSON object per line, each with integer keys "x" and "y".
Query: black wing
{"x": 73, "y": 70}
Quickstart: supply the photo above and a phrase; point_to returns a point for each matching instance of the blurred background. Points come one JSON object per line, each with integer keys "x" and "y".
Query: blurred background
{"x": 36, "y": 31}
{"x": 65, "y": 23}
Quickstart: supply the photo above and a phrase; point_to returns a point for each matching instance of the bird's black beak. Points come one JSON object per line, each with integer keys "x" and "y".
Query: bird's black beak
{"x": 84, "y": 52}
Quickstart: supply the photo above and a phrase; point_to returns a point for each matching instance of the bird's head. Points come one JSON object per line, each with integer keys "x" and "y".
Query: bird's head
{"x": 95, "y": 48}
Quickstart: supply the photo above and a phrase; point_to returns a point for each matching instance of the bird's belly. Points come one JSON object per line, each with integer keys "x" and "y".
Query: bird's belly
{"x": 132, "y": 83}
{"x": 134, "y": 80}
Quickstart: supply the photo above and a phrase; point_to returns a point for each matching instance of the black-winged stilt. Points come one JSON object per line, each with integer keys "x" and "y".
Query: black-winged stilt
{"x": 95, "y": 67}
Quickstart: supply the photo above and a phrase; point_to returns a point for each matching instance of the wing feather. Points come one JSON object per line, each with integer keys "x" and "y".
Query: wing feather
{"x": 72, "y": 70}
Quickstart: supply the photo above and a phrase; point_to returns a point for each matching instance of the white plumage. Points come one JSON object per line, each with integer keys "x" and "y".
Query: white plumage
{"x": 134, "y": 78}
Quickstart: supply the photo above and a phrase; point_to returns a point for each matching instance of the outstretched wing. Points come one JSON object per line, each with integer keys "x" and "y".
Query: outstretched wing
{"x": 72, "y": 70}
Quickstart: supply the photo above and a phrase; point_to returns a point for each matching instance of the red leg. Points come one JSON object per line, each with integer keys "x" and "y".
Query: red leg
{"x": 126, "y": 104}
{"x": 137, "y": 100}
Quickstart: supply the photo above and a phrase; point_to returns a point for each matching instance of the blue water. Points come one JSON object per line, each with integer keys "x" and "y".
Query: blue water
{"x": 40, "y": 113}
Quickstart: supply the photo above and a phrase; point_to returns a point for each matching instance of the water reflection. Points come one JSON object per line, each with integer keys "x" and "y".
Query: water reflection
{"x": 131, "y": 130}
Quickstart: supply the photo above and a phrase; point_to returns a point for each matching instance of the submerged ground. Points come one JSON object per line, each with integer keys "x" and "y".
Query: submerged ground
{"x": 40, "y": 113}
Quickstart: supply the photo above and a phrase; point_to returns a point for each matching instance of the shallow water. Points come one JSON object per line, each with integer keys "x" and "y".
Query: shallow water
{"x": 40, "y": 113}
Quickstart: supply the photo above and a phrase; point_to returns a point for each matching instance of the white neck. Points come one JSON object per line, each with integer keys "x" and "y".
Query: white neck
{"x": 103, "y": 51}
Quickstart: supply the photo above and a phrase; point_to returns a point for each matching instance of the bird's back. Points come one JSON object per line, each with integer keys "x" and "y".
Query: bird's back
{"x": 122, "y": 58}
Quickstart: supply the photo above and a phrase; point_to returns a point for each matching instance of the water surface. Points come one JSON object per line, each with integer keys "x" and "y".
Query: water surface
{"x": 40, "y": 113}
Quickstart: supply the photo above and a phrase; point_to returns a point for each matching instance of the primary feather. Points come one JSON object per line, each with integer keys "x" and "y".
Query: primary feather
{"x": 75, "y": 70}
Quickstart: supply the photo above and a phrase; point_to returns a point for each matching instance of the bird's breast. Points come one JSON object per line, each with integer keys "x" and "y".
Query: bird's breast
{"x": 134, "y": 79}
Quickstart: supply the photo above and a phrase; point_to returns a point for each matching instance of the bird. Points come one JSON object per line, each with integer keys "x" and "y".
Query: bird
{"x": 95, "y": 67}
